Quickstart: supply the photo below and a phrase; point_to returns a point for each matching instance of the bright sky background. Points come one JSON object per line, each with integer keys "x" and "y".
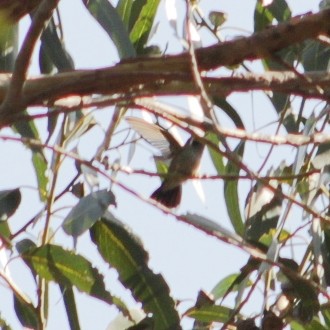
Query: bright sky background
{"x": 188, "y": 260}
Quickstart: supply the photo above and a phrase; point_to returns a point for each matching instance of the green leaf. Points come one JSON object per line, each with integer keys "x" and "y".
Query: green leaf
{"x": 124, "y": 252}
{"x": 8, "y": 43}
{"x": 40, "y": 167}
{"x": 88, "y": 210}
{"x": 142, "y": 25}
{"x": 70, "y": 307}
{"x": 224, "y": 285}
{"x": 4, "y": 325}
{"x": 315, "y": 56}
{"x": 53, "y": 51}
{"x": 108, "y": 17}
{"x": 313, "y": 325}
{"x": 23, "y": 246}
{"x": 265, "y": 15}
{"x": 126, "y": 12}
{"x": 216, "y": 156}
{"x": 326, "y": 316}
{"x": 53, "y": 263}
{"x": 209, "y": 314}
{"x": 27, "y": 129}
{"x": 26, "y": 313}
{"x": 231, "y": 193}
{"x": 9, "y": 202}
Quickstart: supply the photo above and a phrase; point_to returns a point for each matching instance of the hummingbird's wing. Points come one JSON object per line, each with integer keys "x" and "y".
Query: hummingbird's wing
{"x": 158, "y": 137}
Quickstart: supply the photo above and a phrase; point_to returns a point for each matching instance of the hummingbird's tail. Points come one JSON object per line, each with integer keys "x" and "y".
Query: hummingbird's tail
{"x": 168, "y": 197}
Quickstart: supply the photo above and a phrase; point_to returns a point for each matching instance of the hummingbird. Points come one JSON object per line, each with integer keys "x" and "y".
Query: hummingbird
{"x": 183, "y": 160}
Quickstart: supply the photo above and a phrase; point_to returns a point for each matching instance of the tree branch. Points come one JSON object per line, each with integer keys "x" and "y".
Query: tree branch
{"x": 171, "y": 75}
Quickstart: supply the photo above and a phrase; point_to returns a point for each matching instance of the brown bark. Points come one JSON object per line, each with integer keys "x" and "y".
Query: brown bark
{"x": 171, "y": 74}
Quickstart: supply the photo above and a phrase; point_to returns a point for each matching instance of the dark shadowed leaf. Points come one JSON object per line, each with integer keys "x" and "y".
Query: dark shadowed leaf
{"x": 53, "y": 263}
{"x": 9, "y": 202}
{"x": 124, "y": 252}
{"x": 26, "y": 313}
{"x": 263, "y": 209}
{"x": 315, "y": 56}
{"x": 53, "y": 57}
{"x": 70, "y": 306}
{"x": 88, "y": 210}
{"x": 108, "y": 17}
{"x": 53, "y": 51}
{"x": 265, "y": 16}
{"x": 229, "y": 110}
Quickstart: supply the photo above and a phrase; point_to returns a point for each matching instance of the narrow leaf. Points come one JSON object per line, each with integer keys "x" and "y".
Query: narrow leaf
{"x": 121, "y": 250}
{"x": 8, "y": 42}
{"x": 142, "y": 27}
{"x": 70, "y": 307}
{"x": 53, "y": 47}
{"x": 231, "y": 194}
{"x": 108, "y": 17}
{"x": 223, "y": 286}
{"x": 209, "y": 314}
{"x": 216, "y": 156}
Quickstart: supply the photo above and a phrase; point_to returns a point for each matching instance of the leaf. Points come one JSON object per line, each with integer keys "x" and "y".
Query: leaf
{"x": 70, "y": 307}
{"x": 88, "y": 210}
{"x": 8, "y": 43}
{"x": 265, "y": 16}
{"x": 229, "y": 110}
{"x": 309, "y": 128}
{"x": 315, "y": 56}
{"x": 209, "y": 314}
{"x": 129, "y": 11}
{"x": 24, "y": 246}
{"x": 326, "y": 316}
{"x": 143, "y": 24}
{"x": 224, "y": 285}
{"x": 4, "y": 325}
{"x": 53, "y": 48}
{"x": 231, "y": 193}
{"x": 27, "y": 129}
{"x": 40, "y": 166}
{"x": 9, "y": 202}
{"x": 263, "y": 210}
{"x": 216, "y": 156}
{"x": 53, "y": 263}
{"x": 108, "y": 17}
{"x": 124, "y": 252}
{"x": 313, "y": 325}
{"x": 26, "y": 313}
